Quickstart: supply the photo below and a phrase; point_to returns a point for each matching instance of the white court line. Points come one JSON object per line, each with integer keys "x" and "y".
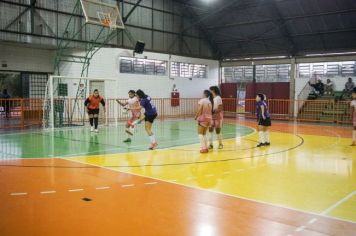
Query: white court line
{"x": 127, "y": 185}
{"x": 151, "y": 183}
{"x": 332, "y": 207}
{"x": 102, "y": 188}
{"x": 18, "y": 194}
{"x": 301, "y": 228}
{"x": 312, "y": 221}
{"x": 75, "y": 190}
{"x": 215, "y": 191}
{"x": 48, "y": 192}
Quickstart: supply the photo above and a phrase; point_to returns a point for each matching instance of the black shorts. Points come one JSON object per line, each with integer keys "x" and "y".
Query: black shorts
{"x": 266, "y": 122}
{"x": 150, "y": 118}
{"x": 93, "y": 111}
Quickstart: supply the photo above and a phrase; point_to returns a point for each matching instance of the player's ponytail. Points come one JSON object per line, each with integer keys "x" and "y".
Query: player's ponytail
{"x": 208, "y": 94}
{"x": 141, "y": 94}
{"x": 261, "y": 96}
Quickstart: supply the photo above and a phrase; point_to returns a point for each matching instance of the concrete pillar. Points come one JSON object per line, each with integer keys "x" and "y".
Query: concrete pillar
{"x": 292, "y": 96}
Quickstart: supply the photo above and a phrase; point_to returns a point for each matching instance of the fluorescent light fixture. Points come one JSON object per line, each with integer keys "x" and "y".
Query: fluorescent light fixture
{"x": 330, "y": 54}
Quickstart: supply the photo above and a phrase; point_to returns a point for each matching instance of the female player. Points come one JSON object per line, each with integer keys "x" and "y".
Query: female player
{"x": 264, "y": 120}
{"x": 149, "y": 116}
{"x": 217, "y": 117}
{"x": 353, "y": 110}
{"x": 135, "y": 108}
{"x": 92, "y": 104}
{"x": 204, "y": 118}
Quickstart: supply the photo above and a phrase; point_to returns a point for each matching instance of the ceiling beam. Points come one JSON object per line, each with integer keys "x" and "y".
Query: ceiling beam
{"x": 346, "y": 30}
{"x": 237, "y": 24}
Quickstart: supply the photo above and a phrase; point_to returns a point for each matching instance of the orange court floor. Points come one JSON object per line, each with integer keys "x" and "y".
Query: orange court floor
{"x": 73, "y": 182}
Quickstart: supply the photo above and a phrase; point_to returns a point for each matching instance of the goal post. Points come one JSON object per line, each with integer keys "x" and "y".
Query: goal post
{"x": 63, "y": 104}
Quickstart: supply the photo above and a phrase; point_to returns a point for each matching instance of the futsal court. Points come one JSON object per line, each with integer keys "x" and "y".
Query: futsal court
{"x": 178, "y": 118}
{"x": 84, "y": 183}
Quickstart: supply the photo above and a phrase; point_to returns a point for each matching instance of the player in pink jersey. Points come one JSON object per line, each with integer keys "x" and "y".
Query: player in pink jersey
{"x": 353, "y": 110}
{"x": 204, "y": 118}
{"x": 218, "y": 116}
{"x": 132, "y": 104}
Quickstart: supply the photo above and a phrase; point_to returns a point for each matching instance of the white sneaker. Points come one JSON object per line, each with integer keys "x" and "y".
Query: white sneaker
{"x": 96, "y": 130}
{"x": 92, "y": 129}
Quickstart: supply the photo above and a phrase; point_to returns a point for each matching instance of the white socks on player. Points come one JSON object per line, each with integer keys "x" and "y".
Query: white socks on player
{"x": 220, "y": 137}
{"x": 211, "y": 138}
{"x": 266, "y": 133}
{"x": 354, "y": 135}
{"x": 202, "y": 141}
{"x": 261, "y": 136}
{"x": 152, "y": 138}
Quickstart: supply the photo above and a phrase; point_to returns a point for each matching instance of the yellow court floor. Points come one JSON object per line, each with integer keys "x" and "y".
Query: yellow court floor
{"x": 310, "y": 169}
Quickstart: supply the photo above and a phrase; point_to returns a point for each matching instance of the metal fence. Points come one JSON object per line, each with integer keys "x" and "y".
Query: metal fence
{"x": 22, "y": 113}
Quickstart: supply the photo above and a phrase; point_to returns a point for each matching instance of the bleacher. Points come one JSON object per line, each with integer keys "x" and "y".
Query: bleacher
{"x": 326, "y": 108}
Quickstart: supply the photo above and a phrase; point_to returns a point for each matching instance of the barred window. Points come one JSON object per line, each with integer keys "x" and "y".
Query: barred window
{"x": 188, "y": 70}
{"x": 327, "y": 69}
{"x": 264, "y": 73}
{"x": 133, "y": 65}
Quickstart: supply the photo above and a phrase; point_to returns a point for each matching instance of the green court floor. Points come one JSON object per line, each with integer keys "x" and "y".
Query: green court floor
{"x": 80, "y": 141}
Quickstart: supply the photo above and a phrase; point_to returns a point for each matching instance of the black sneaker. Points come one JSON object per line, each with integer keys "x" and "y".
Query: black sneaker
{"x": 267, "y": 144}
{"x": 261, "y": 145}
{"x": 128, "y": 140}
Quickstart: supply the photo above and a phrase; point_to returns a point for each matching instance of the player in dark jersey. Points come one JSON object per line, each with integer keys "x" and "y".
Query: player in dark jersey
{"x": 92, "y": 103}
{"x": 263, "y": 119}
{"x": 149, "y": 116}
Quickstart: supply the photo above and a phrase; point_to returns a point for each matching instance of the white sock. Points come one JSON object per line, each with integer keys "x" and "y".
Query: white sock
{"x": 202, "y": 141}
{"x": 262, "y": 138}
{"x": 354, "y": 135}
{"x": 220, "y": 137}
{"x": 266, "y": 136}
{"x": 205, "y": 141}
{"x": 211, "y": 137}
{"x": 152, "y": 138}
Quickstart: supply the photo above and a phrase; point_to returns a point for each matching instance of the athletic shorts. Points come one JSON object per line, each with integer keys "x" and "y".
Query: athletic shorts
{"x": 205, "y": 124}
{"x": 266, "y": 122}
{"x": 150, "y": 118}
{"x": 93, "y": 111}
{"x": 217, "y": 123}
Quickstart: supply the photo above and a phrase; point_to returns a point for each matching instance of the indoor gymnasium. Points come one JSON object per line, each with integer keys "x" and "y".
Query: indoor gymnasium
{"x": 177, "y": 117}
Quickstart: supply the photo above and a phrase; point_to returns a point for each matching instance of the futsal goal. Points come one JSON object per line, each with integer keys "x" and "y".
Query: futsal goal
{"x": 63, "y": 104}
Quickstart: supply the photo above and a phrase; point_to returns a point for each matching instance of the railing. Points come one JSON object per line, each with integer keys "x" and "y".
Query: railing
{"x": 22, "y": 113}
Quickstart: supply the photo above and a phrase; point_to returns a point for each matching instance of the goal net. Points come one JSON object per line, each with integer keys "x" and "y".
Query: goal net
{"x": 63, "y": 105}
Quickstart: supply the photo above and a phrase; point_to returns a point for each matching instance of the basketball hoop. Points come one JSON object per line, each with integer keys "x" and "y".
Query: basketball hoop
{"x": 107, "y": 19}
{"x": 103, "y": 14}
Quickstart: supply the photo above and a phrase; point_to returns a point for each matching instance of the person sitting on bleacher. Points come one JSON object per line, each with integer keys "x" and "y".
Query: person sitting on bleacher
{"x": 329, "y": 87}
{"x": 349, "y": 86}
{"x": 318, "y": 87}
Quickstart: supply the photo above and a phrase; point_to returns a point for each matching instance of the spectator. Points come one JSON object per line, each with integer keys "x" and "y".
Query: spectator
{"x": 6, "y": 104}
{"x": 349, "y": 86}
{"x": 329, "y": 87}
{"x": 318, "y": 87}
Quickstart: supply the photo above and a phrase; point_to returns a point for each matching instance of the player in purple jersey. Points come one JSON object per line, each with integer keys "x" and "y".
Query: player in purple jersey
{"x": 263, "y": 119}
{"x": 149, "y": 116}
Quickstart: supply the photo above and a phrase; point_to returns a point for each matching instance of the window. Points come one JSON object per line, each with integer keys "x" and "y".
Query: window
{"x": 264, "y": 73}
{"x": 326, "y": 69}
{"x": 188, "y": 70}
{"x": 133, "y": 65}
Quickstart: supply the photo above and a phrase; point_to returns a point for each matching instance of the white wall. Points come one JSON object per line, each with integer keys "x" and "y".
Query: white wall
{"x": 105, "y": 64}
{"x": 339, "y": 83}
{"x": 28, "y": 59}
